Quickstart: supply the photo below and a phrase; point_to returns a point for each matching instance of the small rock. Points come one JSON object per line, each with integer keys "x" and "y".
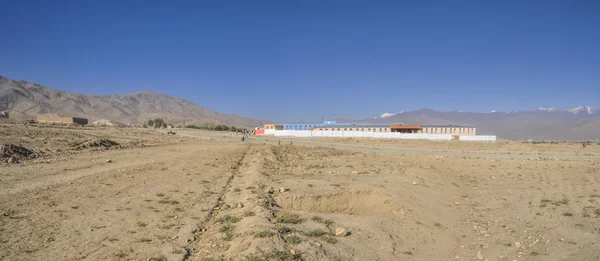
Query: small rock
{"x": 293, "y": 252}
{"x": 480, "y": 257}
{"x": 414, "y": 183}
{"x": 108, "y": 161}
{"x": 270, "y": 190}
{"x": 11, "y": 160}
{"x": 239, "y": 205}
{"x": 340, "y": 232}
{"x": 282, "y": 189}
{"x": 518, "y": 244}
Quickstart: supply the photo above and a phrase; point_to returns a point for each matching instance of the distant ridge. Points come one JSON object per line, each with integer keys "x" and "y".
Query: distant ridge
{"x": 25, "y": 98}
{"x": 579, "y": 123}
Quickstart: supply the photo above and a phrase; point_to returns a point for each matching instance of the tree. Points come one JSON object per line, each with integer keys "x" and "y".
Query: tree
{"x": 145, "y": 125}
{"x": 151, "y": 123}
{"x": 233, "y": 128}
{"x": 159, "y": 123}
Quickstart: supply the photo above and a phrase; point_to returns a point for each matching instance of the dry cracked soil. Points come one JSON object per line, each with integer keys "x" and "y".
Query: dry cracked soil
{"x": 93, "y": 193}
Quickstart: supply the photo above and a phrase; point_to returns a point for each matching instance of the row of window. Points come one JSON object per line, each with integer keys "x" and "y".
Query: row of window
{"x": 357, "y": 129}
{"x": 449, "y": 130}
{"x": 426, "y": 130}
{"x": 298, "y": 127}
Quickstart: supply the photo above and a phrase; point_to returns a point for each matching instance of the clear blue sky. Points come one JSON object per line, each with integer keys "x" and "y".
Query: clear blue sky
{"x": 300, "y": 60}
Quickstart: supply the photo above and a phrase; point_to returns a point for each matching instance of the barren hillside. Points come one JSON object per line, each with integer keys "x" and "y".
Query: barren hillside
{"x": 25, "y": 98}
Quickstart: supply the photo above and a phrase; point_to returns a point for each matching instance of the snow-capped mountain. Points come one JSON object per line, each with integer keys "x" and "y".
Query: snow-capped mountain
{"x": 583, "y": 109}
{"x": 543, "y": 123}
{"x": 576, "y": 110}
{"x": 547, "y": 109}
{"x": 387, "y": 115}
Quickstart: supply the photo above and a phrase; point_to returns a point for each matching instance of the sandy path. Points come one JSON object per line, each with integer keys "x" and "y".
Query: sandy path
{"x": 147, "y": 203}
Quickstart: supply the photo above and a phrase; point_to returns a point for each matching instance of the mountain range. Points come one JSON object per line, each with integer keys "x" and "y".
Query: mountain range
{"x": 580, "y": 123}
{"x": 25, "y": 99}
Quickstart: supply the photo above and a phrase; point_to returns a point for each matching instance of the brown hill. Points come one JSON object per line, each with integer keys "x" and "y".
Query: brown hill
{"x": 23, "y": 98}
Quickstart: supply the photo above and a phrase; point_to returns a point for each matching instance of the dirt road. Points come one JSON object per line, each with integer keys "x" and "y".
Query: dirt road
{"x": 217, "y": 198}
{"x": 144, "y": 203}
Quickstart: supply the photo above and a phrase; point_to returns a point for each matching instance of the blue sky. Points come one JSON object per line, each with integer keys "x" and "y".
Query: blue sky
{"x": 300, "y": 60}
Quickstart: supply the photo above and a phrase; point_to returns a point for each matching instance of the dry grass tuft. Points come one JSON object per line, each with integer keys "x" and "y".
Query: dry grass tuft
{"x": 289, "y": 218}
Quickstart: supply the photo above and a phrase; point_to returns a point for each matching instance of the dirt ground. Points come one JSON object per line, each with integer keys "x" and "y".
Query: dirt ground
{"x": 85, "y": 193}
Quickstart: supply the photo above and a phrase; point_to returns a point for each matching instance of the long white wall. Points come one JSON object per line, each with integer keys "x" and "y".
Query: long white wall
{"x": 479, "y": 138}
{"x": 377, "y": 135}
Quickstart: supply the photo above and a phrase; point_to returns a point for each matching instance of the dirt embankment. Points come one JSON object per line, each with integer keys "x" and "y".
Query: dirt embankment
{"x": 21, "y": 142}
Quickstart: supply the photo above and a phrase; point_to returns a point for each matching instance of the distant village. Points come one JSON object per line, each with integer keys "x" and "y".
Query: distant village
{"x": 151, "y": 123}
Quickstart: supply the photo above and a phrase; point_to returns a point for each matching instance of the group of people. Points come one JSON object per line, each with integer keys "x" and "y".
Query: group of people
{"x": 244, "y": 135}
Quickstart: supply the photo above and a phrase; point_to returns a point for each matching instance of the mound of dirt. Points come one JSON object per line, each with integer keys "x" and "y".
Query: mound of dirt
{"x": 290, "y": 153}
{"x": 101, "y": 143}
{"x": 17, "y": 152}
{"x": 363, "y": 202}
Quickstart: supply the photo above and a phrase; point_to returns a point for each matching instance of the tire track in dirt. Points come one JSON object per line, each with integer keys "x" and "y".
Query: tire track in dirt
{"x": 243, "y": 223}
{"x": 189, "y": 249}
